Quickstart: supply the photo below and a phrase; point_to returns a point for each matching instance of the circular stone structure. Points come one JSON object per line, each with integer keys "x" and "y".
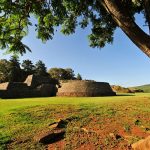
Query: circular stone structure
{"x": 83, "y": 88}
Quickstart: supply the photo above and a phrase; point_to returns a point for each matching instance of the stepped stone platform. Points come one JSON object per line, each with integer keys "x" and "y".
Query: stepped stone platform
{"x": 34, "y": 86}
{"x": 39, "y": 86}
{"x": 83, "y": 88}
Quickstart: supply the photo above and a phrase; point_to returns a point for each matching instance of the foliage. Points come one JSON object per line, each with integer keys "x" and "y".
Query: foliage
{"x": 10, "y": 70}
{"x": 15, "y": 73}
{"x": 137, "y": 122}
{"x": 69, "y": 74}
{"x": 4, "y": 139}
{"x": 65, "y": 13}
{"x": 62, "y": 74}
{"x": 4, "y": 70}
{"x": 40, "y": 68}
{"x": 79, "y": 77}
{"x": 28, "y": 66}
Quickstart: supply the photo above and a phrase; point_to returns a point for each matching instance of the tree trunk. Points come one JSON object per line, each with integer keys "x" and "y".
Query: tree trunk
{"x": 128, "y": 25}
{"x": 147, "y": 12}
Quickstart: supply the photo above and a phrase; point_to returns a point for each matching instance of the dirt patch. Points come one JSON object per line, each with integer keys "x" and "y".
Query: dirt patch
{"x": 137, "y": 131}
{"x": 104, "y": 131}
{"x": 113, "y": 126}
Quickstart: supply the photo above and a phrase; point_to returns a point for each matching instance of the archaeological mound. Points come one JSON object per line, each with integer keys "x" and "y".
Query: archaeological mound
{"x": 83, "y": 88}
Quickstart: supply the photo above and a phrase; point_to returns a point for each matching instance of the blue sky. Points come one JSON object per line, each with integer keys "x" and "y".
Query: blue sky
{"x": 121, "y": 63}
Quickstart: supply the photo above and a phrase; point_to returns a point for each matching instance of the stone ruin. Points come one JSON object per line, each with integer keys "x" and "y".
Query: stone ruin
{"x": 120, "y": 89}
{"x": 83, "y": 88}
{"x": 34, "y": 86}
{"x": 39, "y": 86}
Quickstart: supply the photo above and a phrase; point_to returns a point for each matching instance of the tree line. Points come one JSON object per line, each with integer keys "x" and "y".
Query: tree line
{"x": 14, "y": 71}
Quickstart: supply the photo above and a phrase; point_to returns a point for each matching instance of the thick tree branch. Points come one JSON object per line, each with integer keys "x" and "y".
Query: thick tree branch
{"x": 147, "y": 12}
{"x": 127, "y": 24}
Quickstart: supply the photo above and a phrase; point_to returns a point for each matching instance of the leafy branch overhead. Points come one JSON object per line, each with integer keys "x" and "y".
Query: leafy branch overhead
{"x": 103, "y": 15}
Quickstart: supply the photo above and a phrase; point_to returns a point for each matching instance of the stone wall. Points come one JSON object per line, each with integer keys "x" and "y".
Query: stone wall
{"x": 119, "y": 89}
{"x": 40, "y": 91}
{"x": 35, "y": 80}
{"x": 4, "y": 86}
{"x": 84, "y": 88}
{"x": 34, "y": 86}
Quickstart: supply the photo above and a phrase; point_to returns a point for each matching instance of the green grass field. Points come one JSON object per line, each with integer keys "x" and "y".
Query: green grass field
{"x": 22, "y": 119}
{"x": 9, "y": 105}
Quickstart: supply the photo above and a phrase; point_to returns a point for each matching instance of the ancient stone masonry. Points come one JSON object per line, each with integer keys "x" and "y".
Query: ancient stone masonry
{"x": 38, "y": 86}
{"x": 34, "y": 86}
{"x": 84, "y": 88}
{"x": 34, "y": 80}
{"x": 119, "y": 89}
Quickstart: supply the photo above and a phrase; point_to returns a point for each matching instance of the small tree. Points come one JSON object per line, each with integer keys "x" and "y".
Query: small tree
{"x": 56, "y": 73}
{"x": 79, "y": 77}
{"x": 15, "y": 72}
{"x": 69, "y": 74}
{"x": 62, "y": 74}
{"x": 4, "y": 70}
{"x": 28, "y": 67}
{"x": 40, "y": 69}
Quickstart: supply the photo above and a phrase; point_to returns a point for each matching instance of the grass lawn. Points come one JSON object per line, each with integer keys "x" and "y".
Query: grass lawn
{"x": 99, "y": 122}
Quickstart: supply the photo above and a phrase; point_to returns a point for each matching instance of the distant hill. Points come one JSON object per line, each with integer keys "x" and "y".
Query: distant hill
{"x": 145, "y": 88}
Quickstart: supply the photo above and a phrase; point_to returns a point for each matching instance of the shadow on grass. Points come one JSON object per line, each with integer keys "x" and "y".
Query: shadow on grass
{"x": 52, "y": 138}
{"x": 124, "y": 94}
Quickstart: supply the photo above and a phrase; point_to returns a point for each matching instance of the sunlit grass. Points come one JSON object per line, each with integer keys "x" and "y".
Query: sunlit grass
{"x": 8, "y": 105}
{"x": 21, "y": 119}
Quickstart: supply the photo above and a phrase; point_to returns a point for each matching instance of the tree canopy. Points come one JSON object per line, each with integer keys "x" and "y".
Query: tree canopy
{"x": 79, "y": 77}
{"x": 14, "y": 71}
{"x": 4, "y": 70}
{"x": 40, "y": 69}
{"x": 104, "y": 16}
{"x": 62, "y": 74}
{"x": 28, "y": 66}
